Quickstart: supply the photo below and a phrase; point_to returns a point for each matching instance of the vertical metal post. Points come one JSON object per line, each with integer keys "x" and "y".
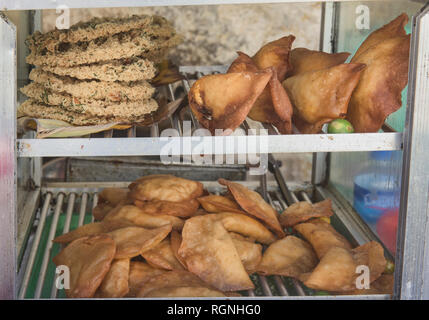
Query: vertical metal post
{"x": 328, "y": 29}
{"x": 8, "y": 97}
{"x": 412, "y": 254}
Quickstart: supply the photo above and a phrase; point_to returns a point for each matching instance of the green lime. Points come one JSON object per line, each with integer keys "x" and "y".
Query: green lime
{"x": 340, "y": 126}
{"x": 390, "y": 267}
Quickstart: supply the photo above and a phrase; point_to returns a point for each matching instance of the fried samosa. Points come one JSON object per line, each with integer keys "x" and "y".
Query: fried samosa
{"x": 162, "y": 256}
{"x": 321, "y": 96}
{"x": 181, "y": 209}
{"x": 176, "y": 241}
{"x": 140, "y": 273}
{"x": 133, "y": 241}
{"x": 89, "y": 260}
{"x": 303, "y": 211}
{"x": 289, "y": 257}
{"x": 255, "y": 205}
{"x": 322, "y": 236}
{"x": 378, "y": 93}
{"x": 244, "y": 225}
{"x": 177, "y": 284}
{"x": 305, "y": 60}
{"x": 165, "y": 187}
{"x": 215, "y": 203}
{"x": 115, "y": 283}
{"x": 222, "y": 101}
{"x": 108, "y": 199}
{"x": 209, "y": 252}
{"x": 250, "y": 253}
{"x": 243, "y": 63}
{"x": 371, "y": 254}
{"x": 336, "y": 271}
{"x": 275, "y": 54}
{"x": 395, "y": 28}
{"x": 133, "y": 215}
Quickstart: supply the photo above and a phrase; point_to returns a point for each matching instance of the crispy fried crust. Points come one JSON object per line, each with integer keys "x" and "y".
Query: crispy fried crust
{"x": 162, "y": 256}
{"x": 121, "y": 46}
{"x": 322, "y": 236}
{"x": 275, "y": 54}
{"x": 97, "y": 90}
{"x": 305, "y": 60}
{"x": 209, "y": 252}
{"x": 135, "y": 69}
{"x": 133, "y": 241}
{"x": 92, "y": 29}
{"x": 115, "y": 283}
{"x": 222, "y": 101}
{"x": 303, "y": 211}
{"x": 321, "y": 96}
{"x": 35, "y": 109}
{"x": 184, "y": 209}
{"x": 255, "y": 205}
{"x": 395, "y": 28}
{"x": 289, "y": 257}
{"x": 215, "y": 203}
{"x": 88, "y": 259}
{"x": 165, "y": 187}
{"x": 378, "y": 93}
{"x": 250, "y": 253}
{"x": 140, "y": 273}
{"x": 135, "y": 216}
{"x": 92, "y": 108}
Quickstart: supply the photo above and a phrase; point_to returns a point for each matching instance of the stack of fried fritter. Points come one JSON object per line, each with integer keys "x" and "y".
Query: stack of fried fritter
{"x": 97, "y": 72}
{"x": 154, "y": 240}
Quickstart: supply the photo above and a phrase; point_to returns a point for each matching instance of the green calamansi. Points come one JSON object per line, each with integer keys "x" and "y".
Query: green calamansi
{"x": 340, "y": 126}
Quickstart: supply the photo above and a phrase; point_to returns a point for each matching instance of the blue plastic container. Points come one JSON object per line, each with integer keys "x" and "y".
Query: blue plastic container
{"x": 377, "y": 186}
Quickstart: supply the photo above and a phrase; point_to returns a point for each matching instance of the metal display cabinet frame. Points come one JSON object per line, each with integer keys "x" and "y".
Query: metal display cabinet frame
{"x": 412, "y": 271}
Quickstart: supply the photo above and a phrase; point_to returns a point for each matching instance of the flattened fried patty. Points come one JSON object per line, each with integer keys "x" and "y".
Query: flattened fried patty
{"x": 120, "y": 46}
{"x": 135, "y": 69}
{"x": 126, "y": 109}
{"x": 98, "y": 90}
{"x": 34, "y": 109}
{"x": 92, "y": 29}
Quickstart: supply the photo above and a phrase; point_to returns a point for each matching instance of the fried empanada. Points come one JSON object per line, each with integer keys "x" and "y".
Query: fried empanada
{"x": 108, "y": 199}
{"x": 165, "y": 187}
{"x": 322, "y": 236}
{"x": 88, "y": 259}
{"x": 209, "y": 252}
{"x": 289, "y": 257}
{"x": 133, "y": 215}
{"x": 321, "y": 96}
{"x": 378, "y": 93}
{"x": 305, "y": 60}
{"x": 133, "y": 241}
{"x": 395, "y": 28}
{"x": 254, "y": 205}
{"x": 176, "y": 283}
{"x": 244, "y": 225}
{"x": 215, "y": 203}
{"x": 140, "y": 273}
{"x": 162, "y": 256}
{"x": 250, "y": 253}
{"x": 222, "y": 101}
{"x": 101, "y": 210}
{"x": 303, "y": 211}
{"x": 336, "y": 271}
{"x": 275, "y": 54}
{"x": 383, "y": 285}
{"x": 115, "y": 283}
{"x": 183, "y": 209}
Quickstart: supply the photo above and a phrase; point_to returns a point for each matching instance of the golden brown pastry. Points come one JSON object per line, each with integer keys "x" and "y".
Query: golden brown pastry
{"x": 303, "y": 211}
{"x": 115, "y": 283}
{"x": 321, "y": 96}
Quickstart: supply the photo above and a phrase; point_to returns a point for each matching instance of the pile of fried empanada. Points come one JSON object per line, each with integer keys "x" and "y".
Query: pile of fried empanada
{"x": 306, "y": 88}
{"x": 166, "y": 236}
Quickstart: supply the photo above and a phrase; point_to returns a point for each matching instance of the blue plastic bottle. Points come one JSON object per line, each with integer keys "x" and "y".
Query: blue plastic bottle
{"x": 377, "y": 186}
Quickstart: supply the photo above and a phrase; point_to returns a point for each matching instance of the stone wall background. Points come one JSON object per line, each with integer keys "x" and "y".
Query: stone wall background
{"x": 213, "y": 34}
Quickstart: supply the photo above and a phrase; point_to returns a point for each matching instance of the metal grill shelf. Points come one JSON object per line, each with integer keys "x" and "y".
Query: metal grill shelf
{"x": 66, "y": 206}
{"x": 138, "y": 141}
